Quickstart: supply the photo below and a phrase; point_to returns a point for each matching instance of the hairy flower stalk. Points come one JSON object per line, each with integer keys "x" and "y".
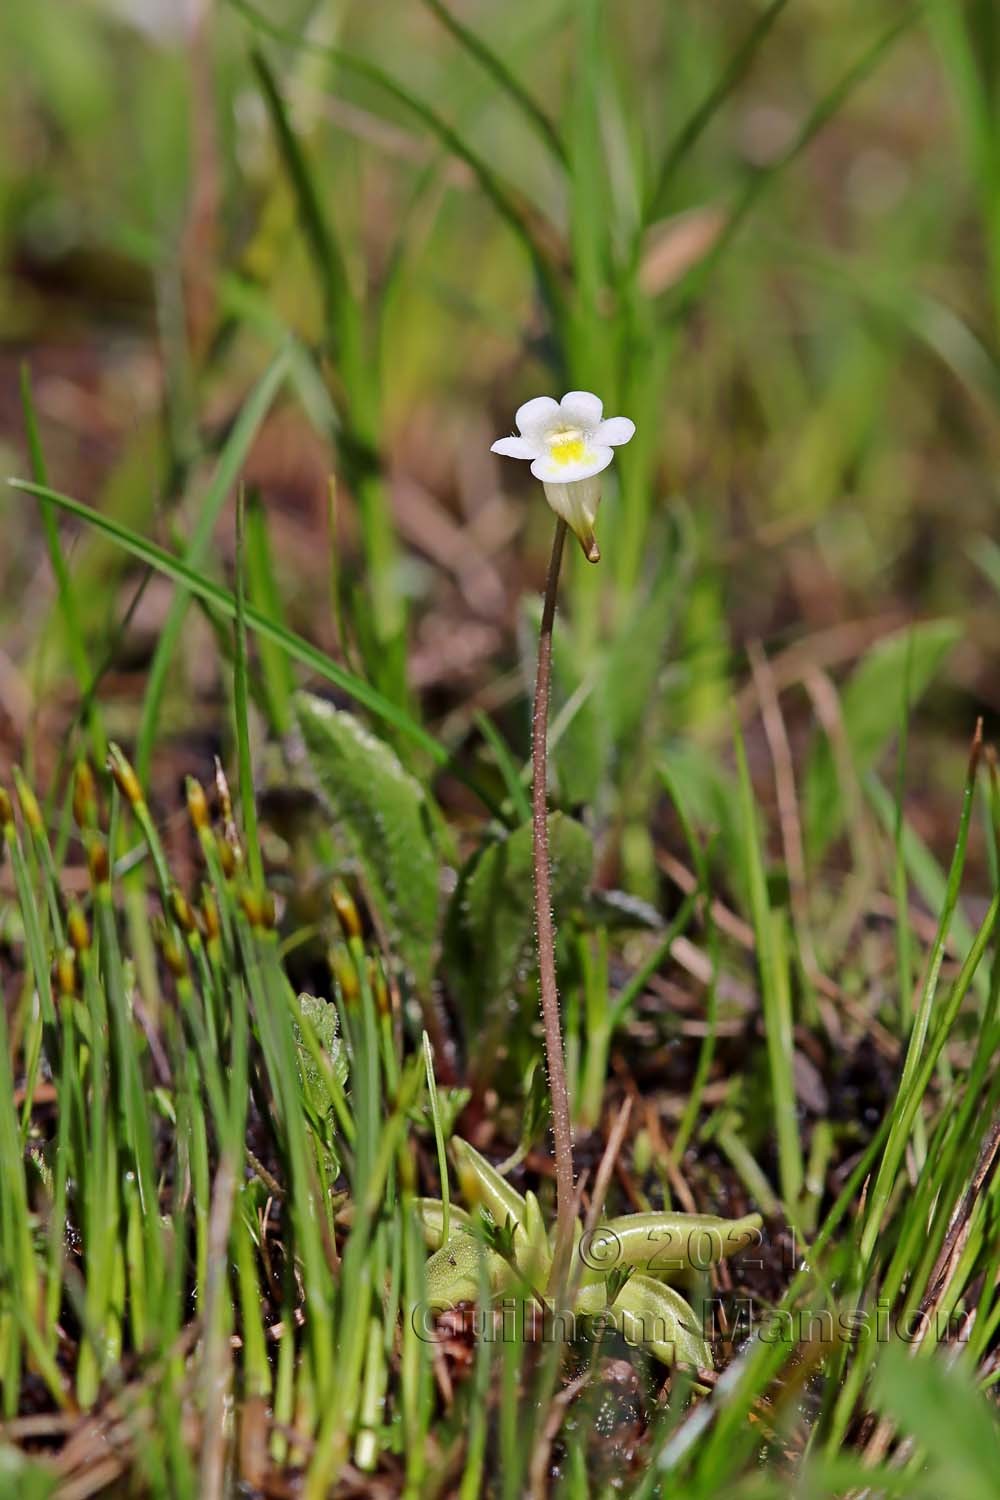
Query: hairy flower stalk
{"x": 569, "y": 444}
{"x": 545, "y": 927}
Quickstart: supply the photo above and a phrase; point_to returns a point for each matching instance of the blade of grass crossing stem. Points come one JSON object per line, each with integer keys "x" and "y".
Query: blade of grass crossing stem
{"x": 506, "y": 766}
{"x": 230, "y": 461}
{"x": 630, "y": 992}
{"x": 64, "y": 585}
{"x": 279, "y": 680}
{"x": 772, "y": 962}
{"x": 241, "y": 709}
{"x": 296, "y": 647}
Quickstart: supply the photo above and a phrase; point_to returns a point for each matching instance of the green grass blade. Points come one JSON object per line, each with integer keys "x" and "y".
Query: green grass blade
{"x": 694, "y": 127}
{"x": 241, "y": 715}
{"x": 689, "y": 288}
{"x": 279, "y": 679}
{"x": 512, "y": 776}
{"x": 772, "y": 962}
{"x": 230, "y": 462}
{"x": 914, "y": 1084}
{"x": 505, "y": 80}
{"x": 923, "y": 869}
{"x": 502, "y": 198}
{"x": 60, "y": 569}
{"x": 439, "y": 1141}
{"x": 297, "y": 648}
{"x": 341, "y": 306}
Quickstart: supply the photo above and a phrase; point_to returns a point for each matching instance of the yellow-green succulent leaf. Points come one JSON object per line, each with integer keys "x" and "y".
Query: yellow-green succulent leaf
{"x": 656, "y": 1318}
{"x": 591, "y": 1299}
{"x": 534, "y": 1224}
{"x": 669, "y": 1246}
{"x": 430, "y": 1212}
{"x": 453, "y": 1271}
{"x": 482, "y": 1184}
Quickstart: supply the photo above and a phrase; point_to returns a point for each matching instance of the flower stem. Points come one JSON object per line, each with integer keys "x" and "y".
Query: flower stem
{"x": 545, "y": 929}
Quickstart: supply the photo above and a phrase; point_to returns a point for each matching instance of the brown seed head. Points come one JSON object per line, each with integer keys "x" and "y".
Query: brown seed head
{"x": 66, "y": 973}
{"x": 79, "y": 932}
{"x": 125, "y": 778}
{"x": 347, "y": 911}
{"x": 84, "y": 796}
{"x": 210, "y": 915}
{"x": 345, "y": 975}
{"x": 29, "y": 803}
{"x": 197, "y": 804}
{"x": 183, "y": 915}
{"x": 227, "y": 859}
{"x": 97, "y": 861}
{"x": 252, "y": 909}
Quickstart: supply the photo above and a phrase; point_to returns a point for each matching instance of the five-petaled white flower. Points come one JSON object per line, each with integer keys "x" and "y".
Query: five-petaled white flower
{"x": 569, "y": 445}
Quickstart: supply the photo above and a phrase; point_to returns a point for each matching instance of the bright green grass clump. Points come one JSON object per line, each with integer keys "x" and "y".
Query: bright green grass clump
{"x": 213, "y": 1238}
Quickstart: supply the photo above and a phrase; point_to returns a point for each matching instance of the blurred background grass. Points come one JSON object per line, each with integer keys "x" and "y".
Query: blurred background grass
{"x": 794, "y": 290}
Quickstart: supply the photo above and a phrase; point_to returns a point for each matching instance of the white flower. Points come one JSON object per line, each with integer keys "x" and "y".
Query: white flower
{"x": 569, "y": 445}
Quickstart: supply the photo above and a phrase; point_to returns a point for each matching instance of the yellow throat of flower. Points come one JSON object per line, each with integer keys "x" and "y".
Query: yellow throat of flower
{"x": 567, "y": 448}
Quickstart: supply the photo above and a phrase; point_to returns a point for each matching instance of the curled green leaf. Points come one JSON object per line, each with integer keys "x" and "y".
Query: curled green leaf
{"x": 482, "y": 1184}
{"x": 657, "y": 1318}
{"x": 453, "y": 1271}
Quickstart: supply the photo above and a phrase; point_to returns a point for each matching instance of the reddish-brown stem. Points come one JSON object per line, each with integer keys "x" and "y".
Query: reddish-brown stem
{"x": 545, "y": 930}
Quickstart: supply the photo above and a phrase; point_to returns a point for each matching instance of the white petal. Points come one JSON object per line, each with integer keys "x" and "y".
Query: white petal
{"x": 535, "y": 417}
{"x": 581, "y": 409}
{"x": 516, "y": 447}
{"x": 549, "y": 471}
{"x": 614, "y": 431}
